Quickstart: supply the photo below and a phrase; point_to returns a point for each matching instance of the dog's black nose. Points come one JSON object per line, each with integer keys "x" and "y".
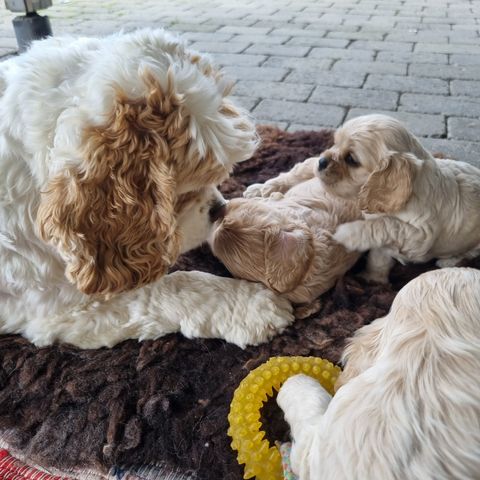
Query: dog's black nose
{"x": 322, "y": 163}
{"x": 217, "y": 211}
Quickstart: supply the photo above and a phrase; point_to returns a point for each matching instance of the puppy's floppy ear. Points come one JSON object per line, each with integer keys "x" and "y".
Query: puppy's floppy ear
{"x": 288, "y": 255}
{"x": 389, "y": 188}
{"x": 112, "y": 217}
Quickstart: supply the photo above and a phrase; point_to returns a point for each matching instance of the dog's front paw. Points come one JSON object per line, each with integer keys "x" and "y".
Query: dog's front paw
{"x": 266, "y": 315}
{"x": 350, "y": 235}
{"x": 259, "y": 190}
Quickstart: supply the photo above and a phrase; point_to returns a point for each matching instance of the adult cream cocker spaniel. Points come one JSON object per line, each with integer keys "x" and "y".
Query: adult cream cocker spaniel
{"x": 408, "y": 402}
{"x": 110, "y": 151}
{"x": 416, "y": 207}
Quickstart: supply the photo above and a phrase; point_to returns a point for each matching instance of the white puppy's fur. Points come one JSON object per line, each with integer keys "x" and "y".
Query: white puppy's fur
{"x": 412, "y": 409}
{"x": 161, "y": 116}
{"x": 417, "y": 207}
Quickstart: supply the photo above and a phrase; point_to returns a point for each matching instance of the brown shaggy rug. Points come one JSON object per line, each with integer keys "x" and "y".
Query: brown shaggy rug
{"x": 167, "y": 400}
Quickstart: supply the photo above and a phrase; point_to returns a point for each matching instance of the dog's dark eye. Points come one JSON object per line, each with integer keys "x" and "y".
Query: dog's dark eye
{"x": 349, "y": 160}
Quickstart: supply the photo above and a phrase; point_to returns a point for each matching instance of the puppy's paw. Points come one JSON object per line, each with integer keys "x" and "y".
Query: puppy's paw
{"x": 304, "y": 310}
{"x": 266, "y": 315}
{"x": 448, "y": 262}
{"x": 259, "y": 190}
{"x": 349, "y": 235}
{"x": 301, "y": 397}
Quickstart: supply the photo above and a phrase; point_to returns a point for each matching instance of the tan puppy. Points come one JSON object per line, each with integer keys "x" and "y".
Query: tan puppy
{"x": 410, "y": 407}
{"x": 285, "y": 241}
{"x": 416, "y": 207}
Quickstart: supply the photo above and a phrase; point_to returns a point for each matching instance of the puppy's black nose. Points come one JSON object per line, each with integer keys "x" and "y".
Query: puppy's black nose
{"x": 217, "y": 211}
{"x": 322, "y": 163}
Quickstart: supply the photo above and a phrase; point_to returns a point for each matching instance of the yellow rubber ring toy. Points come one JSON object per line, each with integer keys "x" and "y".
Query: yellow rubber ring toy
{"x": 261, "y": 460}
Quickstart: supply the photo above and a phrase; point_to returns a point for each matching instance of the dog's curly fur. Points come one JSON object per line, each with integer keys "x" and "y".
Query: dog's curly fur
{"x": 111, "y": 150}
{"x": 409, "y": 406}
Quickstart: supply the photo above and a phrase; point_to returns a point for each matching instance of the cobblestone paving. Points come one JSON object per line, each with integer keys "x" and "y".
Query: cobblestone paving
{"x": 309, "y": 64}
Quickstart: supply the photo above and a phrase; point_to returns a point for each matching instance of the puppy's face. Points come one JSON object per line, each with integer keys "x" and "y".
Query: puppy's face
{"x": 373, "y": 160}
{"x": 257, "y": 243}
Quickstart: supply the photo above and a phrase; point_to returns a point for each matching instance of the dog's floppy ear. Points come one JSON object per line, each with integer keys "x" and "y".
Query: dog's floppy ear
{"x": 288, "y": 255}
{"x": 389, "y": 188}
{"x": 112, "y": 217}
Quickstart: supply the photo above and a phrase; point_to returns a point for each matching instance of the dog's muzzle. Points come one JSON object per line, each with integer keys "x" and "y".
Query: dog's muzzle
{"x": 217, "y": 211}
{"x": 322, "y": 163}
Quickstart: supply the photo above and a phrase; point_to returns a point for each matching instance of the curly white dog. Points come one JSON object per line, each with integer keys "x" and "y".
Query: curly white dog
{"x": 110, "y": 151}
{"x": 417, "y": 207}
{"x": 409, "y": 407}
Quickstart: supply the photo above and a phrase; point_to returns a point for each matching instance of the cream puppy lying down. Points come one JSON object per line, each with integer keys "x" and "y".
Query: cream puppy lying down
{"x": 410, "y": 404}
{"x": 417, "y": 207}
{"x": 285, "y": 240}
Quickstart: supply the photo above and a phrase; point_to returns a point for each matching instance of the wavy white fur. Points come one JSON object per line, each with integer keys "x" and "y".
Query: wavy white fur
{"x": 410, "y": 407}
{"x": 416, "y": 207}
{"x": 48, "y": 96}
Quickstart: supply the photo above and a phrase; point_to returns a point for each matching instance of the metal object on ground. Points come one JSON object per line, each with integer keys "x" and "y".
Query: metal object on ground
{"x": 31, "y": 26}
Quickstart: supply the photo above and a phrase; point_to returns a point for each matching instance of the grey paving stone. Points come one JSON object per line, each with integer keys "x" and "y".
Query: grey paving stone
{"x": 245, "y": 30}
{"x": 319, "y": 77}
{"x": 407, "y": 57}
{"x": 256, "y": 73}
{"x": 355, "y": 97}
{"x": 278, "y": 16}
{"x": 190, "y": 27}
{"x": 246, "y": 102}
{"x": 465, "y": 60}
{"x": 419, "y": 124}
{"x": 425, "y": 36}
{"x": 407, "y": 84}
{"x": 277, "y": 24}
{"x": 447, "y": 48}
{"x": 469, "y": 88}
{"x": 274, "y": 90}
{"x": 458, "y": 150}
{"x": 461, "y": 128}
{"x": 465, "y": 27}
{"x": 6, "y": 52}
{"x": 270, "y": 39}
{"x": 461, "y": 106}
{"x": 318, "y": 42}
{"x": 319, "y": 52}
{"x": 469, "y": 72}
{"x": 299, "y": 63}
{"x": 295, "y": 51}
{"x": 295, "y": 31}
{"x": 383, "y": 46}
{"x": 8, "y": 43}
{"x": 220, "y": 47}
{"x": 239, "y": 59}
{"x": 370, "y": 67}
{"x": 356, "y": 35}
{"x": 208, "y": 36}
{"x": 296, "y": 112}
{"x": 235, "y": 22}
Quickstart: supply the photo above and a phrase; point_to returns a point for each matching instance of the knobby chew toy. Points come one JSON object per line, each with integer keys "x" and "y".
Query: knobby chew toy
{"x": 261, "y": 460}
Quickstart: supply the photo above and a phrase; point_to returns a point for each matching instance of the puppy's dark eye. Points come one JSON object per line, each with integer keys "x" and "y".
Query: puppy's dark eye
{"x": 349, "y": 160}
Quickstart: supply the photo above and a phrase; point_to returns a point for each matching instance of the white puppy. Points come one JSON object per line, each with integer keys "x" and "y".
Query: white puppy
{"x": 110, "y": 151}
{"x": 409, "y": 407}
{"x": 416, "y": 207}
